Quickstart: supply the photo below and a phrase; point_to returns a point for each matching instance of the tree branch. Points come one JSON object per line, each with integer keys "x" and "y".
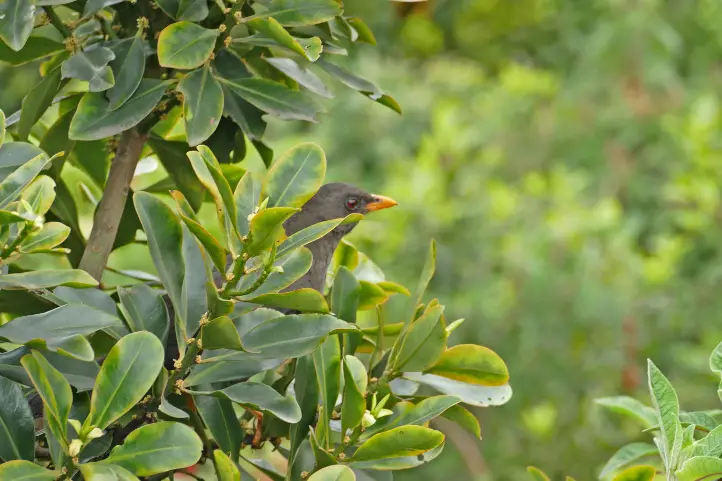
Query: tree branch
{"x": 109, "y": 212}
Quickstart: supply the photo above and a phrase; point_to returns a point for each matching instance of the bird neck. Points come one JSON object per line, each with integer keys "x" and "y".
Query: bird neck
{"x": 322, "y": 251}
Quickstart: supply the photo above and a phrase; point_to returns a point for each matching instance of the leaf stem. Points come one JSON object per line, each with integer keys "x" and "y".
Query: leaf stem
{"x": 185, "y": 363}
{"x": 10, "y": 248}
{"x": 268, "y": 268}
{"x": 57, "y": 23}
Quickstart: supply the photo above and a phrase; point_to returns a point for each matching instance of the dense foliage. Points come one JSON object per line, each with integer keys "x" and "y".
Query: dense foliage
{"x": 341, "y": 390}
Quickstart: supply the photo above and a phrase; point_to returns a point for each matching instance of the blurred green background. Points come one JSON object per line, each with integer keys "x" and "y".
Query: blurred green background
{"x": 567, "y": 157}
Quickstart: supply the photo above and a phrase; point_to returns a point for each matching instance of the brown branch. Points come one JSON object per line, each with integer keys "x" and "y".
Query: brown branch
{"x": 109, "y": 212}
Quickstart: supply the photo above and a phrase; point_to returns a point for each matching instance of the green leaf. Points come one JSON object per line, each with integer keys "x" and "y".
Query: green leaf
{"x": 125, "y": 377}
{"x": 214, "y": 249}
{"x": 225, "y": 469}
{"x": 296, "y": 176}
{"x": 354, "y": 403}
{"x": 128, "y": 67}
{"x": 638, "y": 473}
{"x": 16, "y": 423}
{"x": 472, "y": 364}
{"x": 327, "y": 361}
{"x": 424, "y": 343}
{"x": 157, "y": 448}
{"x": 99, "y": 472}
{"x": 12, "y": 186}
{"x": 359, "y": 84}
{"x": 165, "y": 238}
{"x": 399, "y": 442}
{"x": 267, "y": 228}
{"x": 94, "y": 120}
{"x": 710, "y": 445}
{"x": 300, "y": 74}
{"x": 37, "y": 101}
{"x": 35, "y": 48}
{"x": 274, "y": 30}
{"x": 715, "y": 359}
{"x": 333, "y": 473}
{"x": 185, "y": 45}
{"x": 426, "y": 410}
{"x": 537, "y": 474}
{"x": 219, "y": 416}
{"x": 631, "y": 453}
{"x": 16, "y": 154}
{"x": 464, "y": 418}
{"x": 404, "y": 462}
{"x": 235, "y": 366}
{"x": 194, "y": 294}
{"x": 273, "y": 98}
{"x": 260, "y": 397}
{"x": 371, "y": 295}
{"x": 3, "y": 128}
{"x": 55, "y": 392}
{"x": 47, "y": 278}
{"x": 292, "y": 336}
{"x": 305, "y": 300}
{"x": 17, "y": 22}
{"x": 296, "y": 13}
{"x": 364, "y": 32}
{"x": 92, "y": 6}
{"x": 306, "y": 391}
{"x": 40, "y": 194}
{"x": 51, "y": 235}
{"x": 246, "y": 198}
{"x": 26, "y": 471}
{"x": 144, "y": 310}
{"x": 666, "y": 404}
{"x": 630, "y": 407}
{"x": 208, "y": 170}
{"x": 345, "y": 295}
{"x": 202, "y": 104}
{"x": 426, "y": 274}
{"x": 190, "y": 10}
{"x": 294, "y": 266}
{"x": 472, "y": 394}
{"x": 91, "y": 66}
{"x": 173, "y": 157}
{"x": 220, "y": 333}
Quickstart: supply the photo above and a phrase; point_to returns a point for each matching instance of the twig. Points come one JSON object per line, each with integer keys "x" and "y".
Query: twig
{"x": 268, "y": 268}
{"x": 57, "y": 23}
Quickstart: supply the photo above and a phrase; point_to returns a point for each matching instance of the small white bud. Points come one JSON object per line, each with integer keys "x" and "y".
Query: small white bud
{"x": 368, "y": 420}
{"x": 74, "y": 448}
{"x": 95, "y": 434}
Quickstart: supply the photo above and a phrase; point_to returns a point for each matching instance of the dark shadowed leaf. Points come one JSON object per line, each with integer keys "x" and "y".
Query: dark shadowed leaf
{"x": 173, "y": 157}
{"x": 202, "y": 104}
{"x": 126, "y": 375}
{"x": 16, "y": 423}
{"x": 128, "y": 67}
{"x": 296, "y": 176}
{"x": 306, "y": 391}
{"x": 157, "y": 448}
{"x": 36, "y": 102}
{"x": 327, "y": 363}
{"x": 144, "y": 310}
{"x": 185, "y": 45}
{"x": 219, "y": 416}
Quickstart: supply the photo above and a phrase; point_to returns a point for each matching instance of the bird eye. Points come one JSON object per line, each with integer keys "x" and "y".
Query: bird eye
{"x": 351, "y": 203}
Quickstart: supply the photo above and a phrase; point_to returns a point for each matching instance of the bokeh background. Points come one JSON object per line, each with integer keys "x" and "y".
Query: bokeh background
{"x": 567, "y": 158}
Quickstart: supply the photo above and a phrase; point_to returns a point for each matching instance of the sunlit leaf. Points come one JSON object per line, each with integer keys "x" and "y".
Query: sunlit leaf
{"x": 185, "y": 45}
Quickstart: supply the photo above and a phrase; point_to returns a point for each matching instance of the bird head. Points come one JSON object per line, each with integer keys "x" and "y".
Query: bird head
{"x": 334, "y": 201}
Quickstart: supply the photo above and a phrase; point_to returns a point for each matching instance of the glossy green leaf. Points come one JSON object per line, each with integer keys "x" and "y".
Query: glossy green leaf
{"x": 55, "y": 392}
{"x": 202, "y": 104}
{"x": 296, "y": 176}
{"x": 17, "y": 22}
{"x": 426, "y": 410}
{"x": 472, "y": 364}
{"x": 261, "y": 397}
{"x": 305, "y": 300}
{"x": 94, "y": 120}
{"x": 194, "y": 293}
{"x": 333, "y": 473}
{"x": 225, "y": 469}
{"x": 36, "y": 47}
{"x": 220, "y": 333}
{"x": 26, "y": 471}
{"x": 354, "y": 402}
{"x": 630, "y": 407}
{"x": 16, "y": 154}
{"x": 128, "y": 68}
{"x": 190, "y": 10}
{"x": 246, "y": 198}
{"x": 185, "y": 45}
{"x": 631, "y": 453}
{"x": 639, "y": 473}
{"x": 273, "y": 98}
{"x": 399, "y": 442}
{"x": 267, "y": 228}
{"x": 165, "y": 238}
{"x": 293, "y": 265}
{"x": 238, "y": 366}
{"x": 364, "y": 32}
{"x": 327, "y": 362}
{"x": 144, "y": 310}
{"x": 306, "y": 391}
{"x": 537, "y": 474}
{"x": 37, "y": 101}
{"x": 371, "y": 295}
{"x": 301, "y": 12}
{"x": 463, "y": 418}
{"x": 274, "y": 30}
{"x": 397, "y": 463}
{"x": 105, "y": 471}
{"x": 172, "y": 156}
{"x": 292, "y": 336}
{"x": 157, "y": 448}
{"x": 214, "y": 249}
{"x": 16, "y": 423}
{"x": 125, "y": 377}
{"x": 209, "y": 172}
{"x": 40, "y": 194}
{"x": 12, "y": 186}
{"x": 51, "y": 235}
{"x": 424, "y": 343}
{"x": 91, "y": 66}
{"x": 472, "y": 394}
{"x": 300, "y": 74}
{"x": 221, "y": 419}
{"x": 345, "y": 295}
{"x": 47, "y": 278}
{"x": 666, "y": 404}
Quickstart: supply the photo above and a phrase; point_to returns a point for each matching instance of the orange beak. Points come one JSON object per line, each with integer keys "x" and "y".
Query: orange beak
{"x": 380, "y": 202}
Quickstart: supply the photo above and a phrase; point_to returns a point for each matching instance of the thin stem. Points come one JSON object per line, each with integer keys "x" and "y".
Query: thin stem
{"x": 10, "y": 248}
{"x": 186, "y": 362}
{"x": 268, "y": 268}
{"x": 57, "y": 23}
